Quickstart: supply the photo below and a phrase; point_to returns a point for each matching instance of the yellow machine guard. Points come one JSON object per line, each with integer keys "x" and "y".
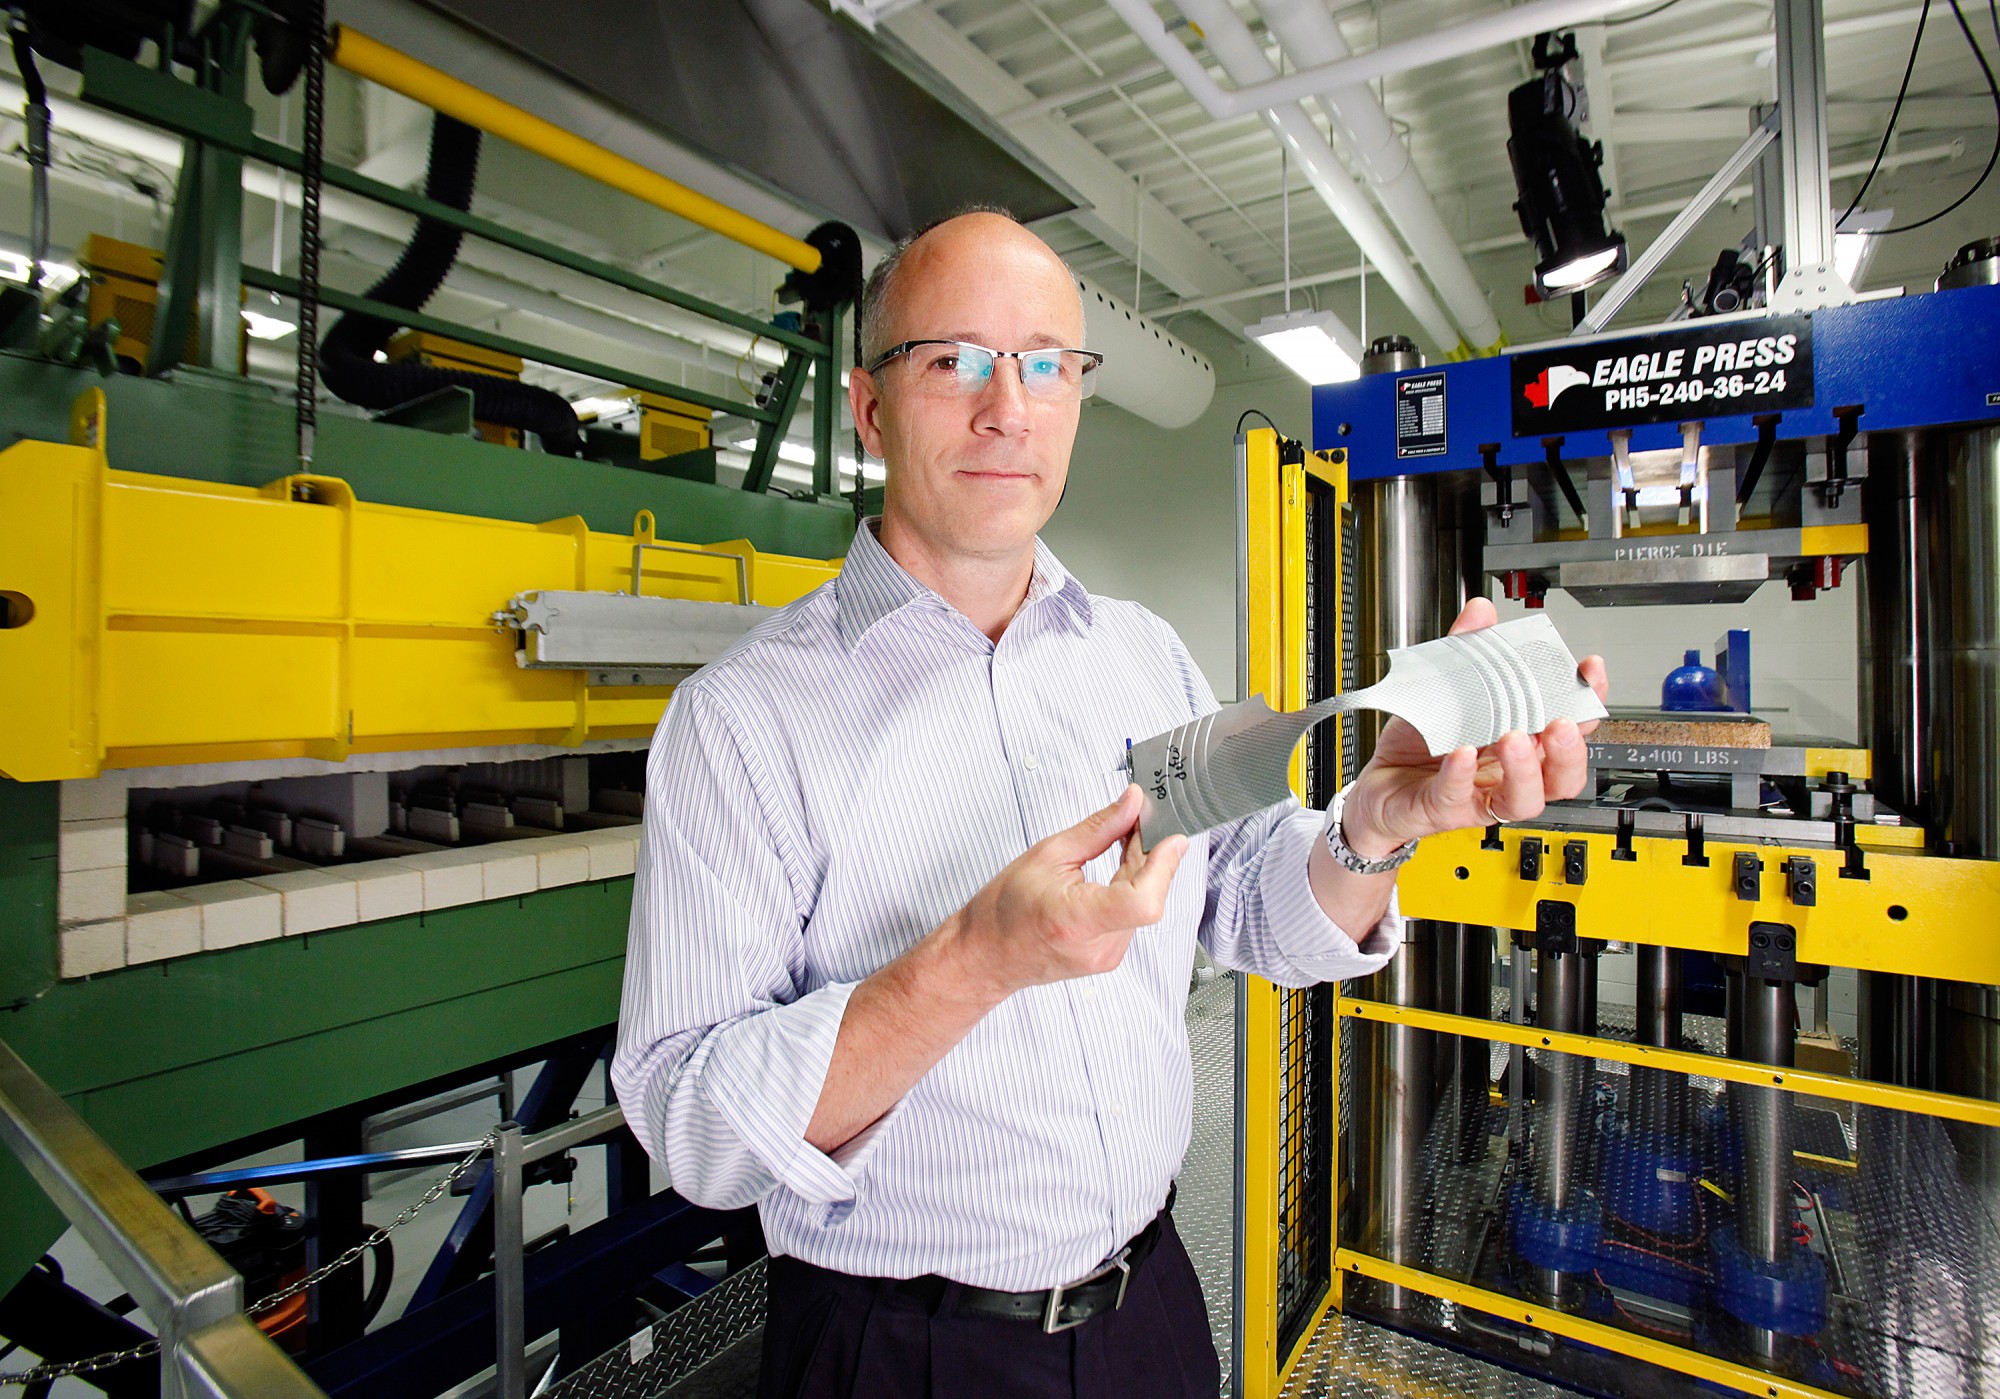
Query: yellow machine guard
{"x": 163, "y": 620}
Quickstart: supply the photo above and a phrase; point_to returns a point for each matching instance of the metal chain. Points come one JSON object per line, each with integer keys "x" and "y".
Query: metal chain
{"x": 312, "y": 153}
{"x": 56, "y": 1370}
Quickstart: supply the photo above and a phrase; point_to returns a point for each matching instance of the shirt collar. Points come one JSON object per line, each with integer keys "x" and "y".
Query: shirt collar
{"x": 872, "y": 585}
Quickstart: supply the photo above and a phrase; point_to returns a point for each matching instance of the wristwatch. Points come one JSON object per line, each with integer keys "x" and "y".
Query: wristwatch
{"x": 1336, "y": 844}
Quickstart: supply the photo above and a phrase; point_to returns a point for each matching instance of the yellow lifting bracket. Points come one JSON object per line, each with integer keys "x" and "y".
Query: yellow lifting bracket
{"x": 1916, "y": 914}
{"x": 160, "y": 620}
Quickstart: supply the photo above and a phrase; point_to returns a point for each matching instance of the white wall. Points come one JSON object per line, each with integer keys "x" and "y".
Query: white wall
{"x": 1151, "y": 514}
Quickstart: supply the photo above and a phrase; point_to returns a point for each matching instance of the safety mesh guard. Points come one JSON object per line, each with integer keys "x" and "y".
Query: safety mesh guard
{"x": 1639, "y": 1182}
{"x": 1305, "y": 1192}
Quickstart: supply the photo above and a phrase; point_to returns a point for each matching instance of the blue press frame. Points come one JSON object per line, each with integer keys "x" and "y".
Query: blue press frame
{"x": 1914, "y": 361}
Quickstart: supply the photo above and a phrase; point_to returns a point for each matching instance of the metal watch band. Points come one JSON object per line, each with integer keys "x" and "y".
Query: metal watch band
{"x": 1336, "y": 844}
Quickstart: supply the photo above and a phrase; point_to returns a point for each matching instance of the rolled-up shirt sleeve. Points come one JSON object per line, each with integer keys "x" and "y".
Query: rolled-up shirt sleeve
{"x": 722, "y": 1047}
{"x": 1261, "y": 914}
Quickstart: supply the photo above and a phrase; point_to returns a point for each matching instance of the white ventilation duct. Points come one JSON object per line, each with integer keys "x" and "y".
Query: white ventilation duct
{"x": 1242, "y": 57}
{"x": 1311, "y": 37}
{"x": 1147, "y": 371}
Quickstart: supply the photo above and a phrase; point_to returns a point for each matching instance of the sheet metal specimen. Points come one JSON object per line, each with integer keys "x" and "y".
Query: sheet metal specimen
{"x": 1456, "y": 690}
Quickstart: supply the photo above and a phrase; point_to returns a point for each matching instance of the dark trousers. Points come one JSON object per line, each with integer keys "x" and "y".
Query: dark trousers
{"x": 831, "y": 1336}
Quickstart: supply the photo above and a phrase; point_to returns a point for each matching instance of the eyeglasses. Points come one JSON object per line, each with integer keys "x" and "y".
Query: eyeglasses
{"x": 955, "y": 368}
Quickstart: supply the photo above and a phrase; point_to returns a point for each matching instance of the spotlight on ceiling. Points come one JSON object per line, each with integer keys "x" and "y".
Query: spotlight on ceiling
{"x": 1555, "y": 172}
{"x": 1312, "y": 344}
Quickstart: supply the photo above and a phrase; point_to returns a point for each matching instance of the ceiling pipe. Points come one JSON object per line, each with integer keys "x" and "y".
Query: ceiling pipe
{"x": 1436, "y": 46}
{"x": 1242, "y": 57}
{"x": 1311, "y": 37}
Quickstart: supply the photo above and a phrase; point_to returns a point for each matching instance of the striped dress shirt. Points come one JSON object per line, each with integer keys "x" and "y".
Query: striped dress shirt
{"x": 827, "y": 793}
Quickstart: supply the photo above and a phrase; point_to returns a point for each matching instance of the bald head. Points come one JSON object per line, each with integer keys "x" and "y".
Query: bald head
{"x": 987, "y": 244}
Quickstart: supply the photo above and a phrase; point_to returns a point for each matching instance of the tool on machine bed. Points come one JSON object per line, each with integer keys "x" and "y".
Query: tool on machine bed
{"x": 1456, "y": 690}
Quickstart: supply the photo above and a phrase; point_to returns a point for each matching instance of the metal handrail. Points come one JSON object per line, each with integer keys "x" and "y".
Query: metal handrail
{"x": 513, "y": 1153}
{"x": 193, "y": 1298}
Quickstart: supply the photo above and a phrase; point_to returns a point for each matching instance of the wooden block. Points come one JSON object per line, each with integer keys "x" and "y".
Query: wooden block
{"x": 1693, "y": 730}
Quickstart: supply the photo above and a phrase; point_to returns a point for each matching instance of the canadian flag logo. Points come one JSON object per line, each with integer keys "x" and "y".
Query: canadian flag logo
{"x": 1552, "y": 383}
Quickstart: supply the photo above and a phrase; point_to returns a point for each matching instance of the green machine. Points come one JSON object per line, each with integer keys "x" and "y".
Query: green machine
{"x": 279, "y": 852}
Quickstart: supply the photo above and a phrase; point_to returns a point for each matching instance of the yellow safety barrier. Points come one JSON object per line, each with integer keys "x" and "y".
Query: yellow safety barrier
{"x": 165, "y": 620}
{"x": 1950, "y": 1106}
{"x": 397, "y": 71}
{"x": 1616, "y": 1340}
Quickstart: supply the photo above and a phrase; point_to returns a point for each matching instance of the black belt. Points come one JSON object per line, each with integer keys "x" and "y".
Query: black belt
{"x": 1053, "y": 1308}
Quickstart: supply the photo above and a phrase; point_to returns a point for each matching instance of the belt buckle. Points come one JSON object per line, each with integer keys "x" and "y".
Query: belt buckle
{"x": 1051, "y": 1325}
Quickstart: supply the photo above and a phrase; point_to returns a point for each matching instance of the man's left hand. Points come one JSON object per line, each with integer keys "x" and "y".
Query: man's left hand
{"x": 1404, "y": 794}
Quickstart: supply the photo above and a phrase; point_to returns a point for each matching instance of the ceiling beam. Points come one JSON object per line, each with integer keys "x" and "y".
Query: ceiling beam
{"x": 1749, "y": 45}
{"x": 1606, "y": 126}
{"x": 1732, "y": 124}
{"x": 1114, "y": 208}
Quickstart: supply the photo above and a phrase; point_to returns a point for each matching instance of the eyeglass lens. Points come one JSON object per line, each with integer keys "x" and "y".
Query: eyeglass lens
{"x": 961, "y": 368}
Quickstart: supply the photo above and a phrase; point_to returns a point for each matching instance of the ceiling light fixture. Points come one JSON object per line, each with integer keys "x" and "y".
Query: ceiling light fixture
{"x": 1313, "y": 344}
{"x": 1555, "y": 172}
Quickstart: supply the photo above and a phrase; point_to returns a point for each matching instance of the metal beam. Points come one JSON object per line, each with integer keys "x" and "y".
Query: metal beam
{"x": 1661, "y": 248}
{"x": 1114, "y": 208}
{"x": 1811, "y": 279}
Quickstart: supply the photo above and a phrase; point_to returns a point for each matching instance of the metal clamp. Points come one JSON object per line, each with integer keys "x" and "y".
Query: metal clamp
{"x": 1050, "y": 1313}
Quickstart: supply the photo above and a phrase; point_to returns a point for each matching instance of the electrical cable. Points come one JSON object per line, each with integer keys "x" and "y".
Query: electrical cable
{"x": 1249, "y": 413}
{"x": 1895, "y": 111}
{"x": 1993, "y": 87}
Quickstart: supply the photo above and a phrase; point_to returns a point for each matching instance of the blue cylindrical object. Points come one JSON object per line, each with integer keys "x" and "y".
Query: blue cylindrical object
{"x": 1788, "y": 1296}
{"x": 1693, "y": 686}
{"x": 1564, "y": 1241}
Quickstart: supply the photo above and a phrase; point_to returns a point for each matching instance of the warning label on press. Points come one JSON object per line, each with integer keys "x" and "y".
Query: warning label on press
{"x": 1420, "y": 415}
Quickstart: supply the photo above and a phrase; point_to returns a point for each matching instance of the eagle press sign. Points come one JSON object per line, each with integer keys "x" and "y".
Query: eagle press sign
{"x": 1757, "y": 366}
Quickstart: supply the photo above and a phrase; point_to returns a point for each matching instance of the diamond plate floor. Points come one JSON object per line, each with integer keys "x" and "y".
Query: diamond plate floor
{"x": 1348, "y": 1358}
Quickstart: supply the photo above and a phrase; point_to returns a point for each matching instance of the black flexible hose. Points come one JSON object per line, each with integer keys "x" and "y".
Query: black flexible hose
{"x": 347, "y": 356}
{"x": 37, "y": 143}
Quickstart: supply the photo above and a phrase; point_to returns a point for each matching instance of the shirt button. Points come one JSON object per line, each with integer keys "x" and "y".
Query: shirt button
{"x": 1031, "y": 762}
{"x": 1089, "y": 991}
{"x": 1117, "y": 1109}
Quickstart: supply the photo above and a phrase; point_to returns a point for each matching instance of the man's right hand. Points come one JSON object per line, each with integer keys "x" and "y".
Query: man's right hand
{"x": 1039, "y": 920}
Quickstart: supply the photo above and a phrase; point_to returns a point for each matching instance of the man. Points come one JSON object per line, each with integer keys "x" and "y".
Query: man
{"x": 898, "y": 972}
